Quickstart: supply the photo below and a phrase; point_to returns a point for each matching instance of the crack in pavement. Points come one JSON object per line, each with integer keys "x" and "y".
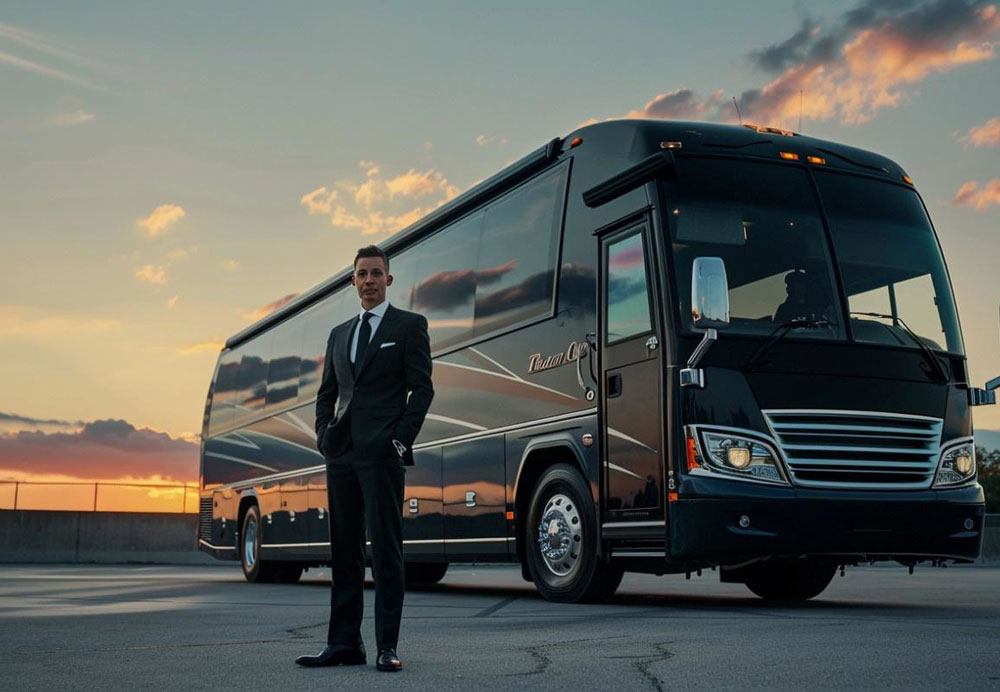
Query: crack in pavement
{"x": 541, "y": 657}
{"x": 643, "y": 666}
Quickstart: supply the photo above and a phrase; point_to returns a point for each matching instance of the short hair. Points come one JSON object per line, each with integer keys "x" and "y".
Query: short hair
{"x": 371, "y": 251}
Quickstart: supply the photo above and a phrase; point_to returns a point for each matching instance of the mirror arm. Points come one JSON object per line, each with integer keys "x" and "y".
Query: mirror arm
{"x": 692, "y": 375}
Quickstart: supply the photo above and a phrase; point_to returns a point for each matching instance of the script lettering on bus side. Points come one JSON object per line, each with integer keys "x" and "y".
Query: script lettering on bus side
{"x": 576, "y": 350}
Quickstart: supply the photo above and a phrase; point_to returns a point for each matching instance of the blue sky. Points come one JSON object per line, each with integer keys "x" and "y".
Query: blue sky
{"x": 168, "y": 170}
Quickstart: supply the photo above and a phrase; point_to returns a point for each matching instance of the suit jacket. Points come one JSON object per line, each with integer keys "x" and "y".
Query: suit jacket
{"x": 362, "y": 414}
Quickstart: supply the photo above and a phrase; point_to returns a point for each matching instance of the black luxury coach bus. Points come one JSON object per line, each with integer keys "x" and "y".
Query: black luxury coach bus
{"x": 658, "y": 347}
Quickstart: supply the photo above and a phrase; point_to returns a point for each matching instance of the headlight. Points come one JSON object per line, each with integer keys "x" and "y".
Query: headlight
{"x": 740, "y": 456}
{"x": 957, "y": 465}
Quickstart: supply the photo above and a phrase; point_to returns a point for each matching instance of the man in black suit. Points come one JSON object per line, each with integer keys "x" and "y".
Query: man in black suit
{"x": 365, "y": 428}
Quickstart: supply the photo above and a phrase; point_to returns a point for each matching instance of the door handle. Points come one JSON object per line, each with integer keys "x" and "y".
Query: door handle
{"x": 614, "y": 385}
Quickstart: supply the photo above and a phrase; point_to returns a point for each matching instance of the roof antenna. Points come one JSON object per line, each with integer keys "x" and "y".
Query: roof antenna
{"x": 738, "y": 110}
{"x": 800, "y": 110}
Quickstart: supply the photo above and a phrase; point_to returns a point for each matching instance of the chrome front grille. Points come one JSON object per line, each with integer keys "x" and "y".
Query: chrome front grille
{"x": 205, "y": 519}
{"x": 857, "y": 449}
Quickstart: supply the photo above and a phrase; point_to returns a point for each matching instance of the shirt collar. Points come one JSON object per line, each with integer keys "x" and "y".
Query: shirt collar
{"x": 377, "y": 311}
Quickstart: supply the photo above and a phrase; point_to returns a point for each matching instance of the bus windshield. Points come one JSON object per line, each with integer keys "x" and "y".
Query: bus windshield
{"x": 890, "y": 263}
{"x": 763, "y": 221}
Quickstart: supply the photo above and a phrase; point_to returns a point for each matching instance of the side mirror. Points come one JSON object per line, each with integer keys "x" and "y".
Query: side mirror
{"x": 986, "y": 396}
{"x": 709, "y": 293}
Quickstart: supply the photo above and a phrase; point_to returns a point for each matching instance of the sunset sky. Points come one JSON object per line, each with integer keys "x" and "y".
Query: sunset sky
{"x": 169, "y": 172}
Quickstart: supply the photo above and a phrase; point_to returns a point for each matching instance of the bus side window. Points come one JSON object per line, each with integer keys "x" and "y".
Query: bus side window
{"x": 628, "y": 311}
{"x": 517, "y": 255}
{"x": 221, "y": 417}
{"x": 319, "y": 321}
{"x": 286, "y": 357}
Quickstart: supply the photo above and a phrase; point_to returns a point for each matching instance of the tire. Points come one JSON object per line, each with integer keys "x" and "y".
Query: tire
{"x": 424, "y": 572}
{"x": 255, "y": 570}
{"x": 790, "y": 579}
{"x": 560, "y": 540}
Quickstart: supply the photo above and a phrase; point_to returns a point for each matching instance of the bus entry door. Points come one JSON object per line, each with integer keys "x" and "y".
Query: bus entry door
{"x": 630, "y": 394}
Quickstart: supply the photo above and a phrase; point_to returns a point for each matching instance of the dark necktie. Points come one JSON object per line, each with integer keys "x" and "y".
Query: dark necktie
{"x": 364, "y": 336}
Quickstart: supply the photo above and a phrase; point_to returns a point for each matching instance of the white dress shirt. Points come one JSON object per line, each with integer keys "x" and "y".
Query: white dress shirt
{"x": 374, "y": 321}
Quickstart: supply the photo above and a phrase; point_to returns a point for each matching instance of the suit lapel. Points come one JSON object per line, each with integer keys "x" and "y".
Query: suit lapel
{"x": 378, "y": 338}
{"x": 344, "y": 352}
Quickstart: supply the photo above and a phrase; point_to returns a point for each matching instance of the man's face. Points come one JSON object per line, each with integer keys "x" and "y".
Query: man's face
{"x": 371, "y": 280}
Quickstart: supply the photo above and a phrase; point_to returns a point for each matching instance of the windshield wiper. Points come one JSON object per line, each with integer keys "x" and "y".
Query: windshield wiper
{"x": 779, "y": 333}
{"x": 937, "y": 372}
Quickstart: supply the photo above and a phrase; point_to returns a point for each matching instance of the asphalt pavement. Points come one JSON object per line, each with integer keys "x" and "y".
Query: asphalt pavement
{"x": 192, "y": 628}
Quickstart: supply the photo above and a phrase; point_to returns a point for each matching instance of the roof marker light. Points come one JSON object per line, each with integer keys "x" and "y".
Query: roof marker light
{"x": 818, "y": 160}
{"x": 907, "y": 179}
{"x": 671, "y": 145}
{"x": 577, "y": 141}
{"x": 788, "y": 155}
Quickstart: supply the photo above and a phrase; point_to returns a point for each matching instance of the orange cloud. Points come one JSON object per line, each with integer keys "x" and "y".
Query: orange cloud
{"x": 262, "y": 312}
{"x": 201, "y": 347}
{"x": 151, "y": 274}
{"x": 172, "y": 301}
{"x": 867, "y": 60}
{"x": 377, "y": 204}
{"x": 161, "y": 219}
{"x": 319, "y": 201}
{"x": 23, "y": 321}
{"x": 971, "y": 195}
{"x": 985, "y": 135}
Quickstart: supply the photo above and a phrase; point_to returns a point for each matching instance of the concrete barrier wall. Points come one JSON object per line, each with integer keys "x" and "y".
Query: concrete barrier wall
{"x": 106, "y": 537}
{"x": 117, "y": 537}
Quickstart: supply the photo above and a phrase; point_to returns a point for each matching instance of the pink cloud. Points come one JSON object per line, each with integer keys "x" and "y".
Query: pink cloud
{"x": 971, "y": 195}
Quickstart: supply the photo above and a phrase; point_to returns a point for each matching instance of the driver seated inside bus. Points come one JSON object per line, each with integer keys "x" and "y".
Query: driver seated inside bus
{"x": 805, "y": 299}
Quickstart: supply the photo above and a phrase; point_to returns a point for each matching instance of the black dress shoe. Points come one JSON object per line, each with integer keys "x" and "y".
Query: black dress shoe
{"x": 336, "y": 655}
{"x": 388, "y": 660}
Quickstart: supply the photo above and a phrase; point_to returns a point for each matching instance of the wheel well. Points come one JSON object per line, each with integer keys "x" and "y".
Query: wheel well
{"x": 536, "y": 463}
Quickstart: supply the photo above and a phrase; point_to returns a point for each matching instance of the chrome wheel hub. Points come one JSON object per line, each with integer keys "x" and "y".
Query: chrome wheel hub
{"x": 560, "y": 535}
{"x": 250, "y": 545}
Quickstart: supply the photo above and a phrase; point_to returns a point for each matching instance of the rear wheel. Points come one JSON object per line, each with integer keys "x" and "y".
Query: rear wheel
{"x": 424, "y": 572}
{"x": 560, "y": 540}
{"x": 789, "y": 579}
{"x": 255, "y": 570}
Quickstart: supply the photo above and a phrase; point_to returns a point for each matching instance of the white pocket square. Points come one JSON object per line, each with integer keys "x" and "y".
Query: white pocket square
{"x": 387, "y": 344}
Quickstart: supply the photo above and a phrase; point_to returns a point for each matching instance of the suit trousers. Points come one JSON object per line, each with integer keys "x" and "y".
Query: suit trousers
{"x": 366, "y": 492}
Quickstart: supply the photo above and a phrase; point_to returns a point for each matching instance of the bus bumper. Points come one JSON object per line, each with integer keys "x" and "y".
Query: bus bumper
{"x": 727, "y": 528}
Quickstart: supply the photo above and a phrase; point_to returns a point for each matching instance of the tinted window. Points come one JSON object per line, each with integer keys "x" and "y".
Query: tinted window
{"x": 763, "y": 222}
{"x": 286, "y": 357}
{"x": 404, "y": 268}
{"x": 320, "y": 319}
{"x": 223, "y": 393}
{"x": 517, "y": 254}
{"x": 445, "y": 287}
{"x": 890, "y": 262}
{"x": 250, "y": 390}
{"x": 628, "y": 293}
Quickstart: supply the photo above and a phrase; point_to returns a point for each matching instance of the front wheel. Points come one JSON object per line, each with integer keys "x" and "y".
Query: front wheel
{"x": 791, "y": 579}
{"x": 560, "y": 541}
